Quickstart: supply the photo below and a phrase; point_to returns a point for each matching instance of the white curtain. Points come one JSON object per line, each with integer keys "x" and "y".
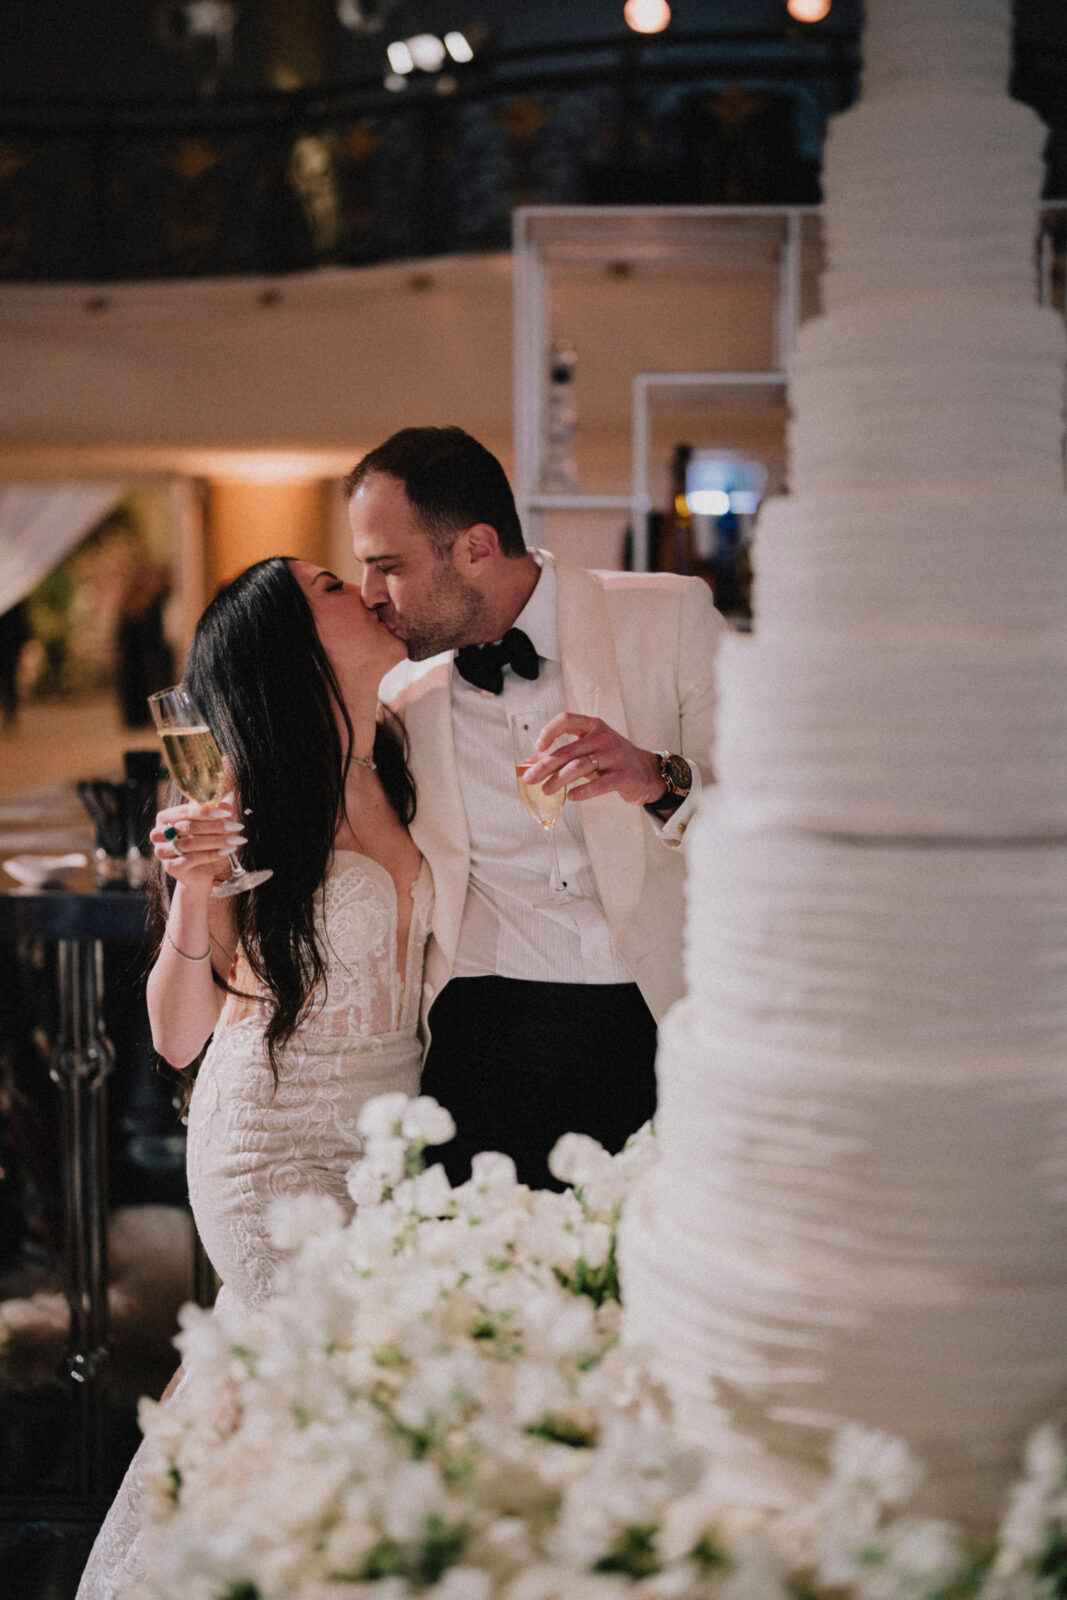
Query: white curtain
{"x": 39, "y": 523}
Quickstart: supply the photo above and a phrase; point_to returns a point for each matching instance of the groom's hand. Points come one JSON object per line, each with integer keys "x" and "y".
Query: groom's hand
{"x": 597, "y": 761}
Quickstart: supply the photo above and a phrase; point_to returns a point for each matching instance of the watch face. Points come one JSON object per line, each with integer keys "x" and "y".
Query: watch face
{"x": 676, "y": 774}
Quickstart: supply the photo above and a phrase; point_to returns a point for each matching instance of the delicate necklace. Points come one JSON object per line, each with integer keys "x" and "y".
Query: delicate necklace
{"x": 365, "y": 761}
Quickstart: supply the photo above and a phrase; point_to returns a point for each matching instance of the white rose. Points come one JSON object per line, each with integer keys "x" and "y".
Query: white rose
{"x": 414, "y": 1493}
{"x": 462, "y": 1583}
{"x": 427, "y": 1195}
{"x": 425, "y": 1119}
{"x": 594, "y": 1243}
{"x": 577, "y": 1159}
{"x": 874, "y": 1463}
{"x": 756, "y": 1573}
{"x": 349, "y": 1545}
{"x": 382, "y": 1116}
{"x": 294, "y": 1219}
{"x": 491, "y": 1186}
{"x": 562, "y": 1583}
{"x": 382, "y": 1167}
{"x": 286, "y": 1568}
{"x": 1045, "y": 1456}
{"x": 919, "y": 1556}
{"x": 1025, "y": 1525}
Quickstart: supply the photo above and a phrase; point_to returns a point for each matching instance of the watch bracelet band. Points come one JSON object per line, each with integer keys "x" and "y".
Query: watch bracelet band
{"x": 670, "y": 799}
{"x": 668, "y": 802}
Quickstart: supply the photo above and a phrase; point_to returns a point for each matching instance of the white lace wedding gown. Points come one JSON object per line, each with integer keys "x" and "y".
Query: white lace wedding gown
{"x": 249, "y": 1142}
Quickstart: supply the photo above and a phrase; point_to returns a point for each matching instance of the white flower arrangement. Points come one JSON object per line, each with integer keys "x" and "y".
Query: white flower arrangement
{"x": 434, "y": 1403}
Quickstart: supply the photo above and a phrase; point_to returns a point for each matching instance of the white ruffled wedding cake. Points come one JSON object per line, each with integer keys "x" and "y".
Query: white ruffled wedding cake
{"x": 861, "y": 1211}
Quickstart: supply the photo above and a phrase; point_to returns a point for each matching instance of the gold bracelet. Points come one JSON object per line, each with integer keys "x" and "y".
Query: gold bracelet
{"x": 195, "y": 959}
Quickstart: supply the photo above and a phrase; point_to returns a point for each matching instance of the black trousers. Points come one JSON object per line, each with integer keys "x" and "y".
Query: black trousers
{"x": 519, "y": 1064}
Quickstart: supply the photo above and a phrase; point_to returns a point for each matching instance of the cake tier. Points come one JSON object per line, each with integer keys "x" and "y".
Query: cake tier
{"x": 841, "y": 558}
{"x": 937, "y": 42}
{"x": 943, "y": 388}
{"x": 861, "y": 1212}
{"x": 891, "y": 731}
{"x": 881, "y": 960}
{"x": 965, "y": 220}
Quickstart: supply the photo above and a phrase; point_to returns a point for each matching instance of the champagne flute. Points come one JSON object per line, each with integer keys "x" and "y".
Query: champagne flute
{"x": 544, "y": 808}
{"x": 195, "y": 763}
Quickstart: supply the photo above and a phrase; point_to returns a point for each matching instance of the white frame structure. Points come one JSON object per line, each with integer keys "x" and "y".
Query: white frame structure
{"x": 604, "y": 233}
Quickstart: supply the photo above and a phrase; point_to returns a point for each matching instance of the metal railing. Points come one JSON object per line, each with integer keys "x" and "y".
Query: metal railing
{"x": 349, "y": 175}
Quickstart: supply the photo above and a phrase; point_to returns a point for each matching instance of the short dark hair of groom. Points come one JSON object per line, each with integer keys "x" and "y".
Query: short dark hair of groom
{"x": 451, "y": 481}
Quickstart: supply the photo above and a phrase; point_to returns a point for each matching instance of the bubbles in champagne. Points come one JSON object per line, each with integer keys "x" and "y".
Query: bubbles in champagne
{"x": 195, "y": 762}
{"x": 544, "y": 808}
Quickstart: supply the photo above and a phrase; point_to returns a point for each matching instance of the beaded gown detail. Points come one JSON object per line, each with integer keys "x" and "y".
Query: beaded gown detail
{"x": 250, "y": 1143}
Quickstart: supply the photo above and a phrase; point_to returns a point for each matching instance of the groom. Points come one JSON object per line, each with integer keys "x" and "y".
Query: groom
{"x": 541, "y": 1018}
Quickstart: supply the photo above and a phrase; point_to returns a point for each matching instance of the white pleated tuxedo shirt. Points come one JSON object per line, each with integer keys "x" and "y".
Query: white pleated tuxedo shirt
{"x": 504, "y": 932}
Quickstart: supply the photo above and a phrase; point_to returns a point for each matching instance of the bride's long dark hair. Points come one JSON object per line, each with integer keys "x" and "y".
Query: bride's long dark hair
{"x": 258, "y": 672}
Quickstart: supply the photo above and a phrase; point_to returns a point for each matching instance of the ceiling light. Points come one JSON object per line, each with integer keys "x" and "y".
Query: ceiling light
{"x": 808, "y": 10}
{"x": 363, "y": 16}
{"x": 458, "y": 47}
{"x": 427, "y": 51}
{"x": 647, "y": 16}
{"x": 400, "y": 57}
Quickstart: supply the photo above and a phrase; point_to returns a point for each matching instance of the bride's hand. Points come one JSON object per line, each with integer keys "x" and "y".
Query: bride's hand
{"x": 191, "y": 842}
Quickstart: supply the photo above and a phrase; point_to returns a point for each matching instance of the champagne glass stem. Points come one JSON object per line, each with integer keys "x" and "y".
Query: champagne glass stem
{"x": 555, "y": 881}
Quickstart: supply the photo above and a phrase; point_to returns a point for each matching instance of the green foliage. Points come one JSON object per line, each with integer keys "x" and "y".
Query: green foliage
{"x": 441, "y": 1547}
{"x": 633, "y": 1554}
{"x": 561, "y": 1430}
{"x": 1052, "y": 1564}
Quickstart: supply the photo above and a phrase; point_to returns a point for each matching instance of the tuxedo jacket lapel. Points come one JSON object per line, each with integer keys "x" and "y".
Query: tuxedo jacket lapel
{"x": 614, "y": 831}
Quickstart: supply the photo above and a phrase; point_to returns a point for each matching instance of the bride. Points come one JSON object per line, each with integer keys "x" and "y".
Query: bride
{"x": 309, "y": 986}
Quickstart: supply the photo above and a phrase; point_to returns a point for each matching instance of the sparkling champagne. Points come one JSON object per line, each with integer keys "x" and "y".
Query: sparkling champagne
{"x": 196, "y": 766}
{"x": 544, "y": 808}
{"x": 195, "y": 762}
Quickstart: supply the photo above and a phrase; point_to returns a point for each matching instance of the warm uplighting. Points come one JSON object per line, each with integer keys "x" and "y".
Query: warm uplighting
{"x": 808, "y": 10}
{"x": 275, "y": 466}
{"x": 647, "y": 16}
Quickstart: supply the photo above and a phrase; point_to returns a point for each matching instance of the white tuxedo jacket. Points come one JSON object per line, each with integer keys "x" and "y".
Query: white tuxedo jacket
{"x": 638, "y": 651}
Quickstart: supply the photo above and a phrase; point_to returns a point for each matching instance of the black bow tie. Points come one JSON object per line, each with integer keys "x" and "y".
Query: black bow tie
{"x": 483, "y": 664}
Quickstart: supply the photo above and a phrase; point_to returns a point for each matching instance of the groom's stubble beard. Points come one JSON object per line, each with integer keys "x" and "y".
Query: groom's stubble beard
{"x": 454, "y": 614}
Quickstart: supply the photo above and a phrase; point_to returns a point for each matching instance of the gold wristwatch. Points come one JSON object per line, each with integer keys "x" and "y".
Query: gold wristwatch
{"x": 677, "y": 776}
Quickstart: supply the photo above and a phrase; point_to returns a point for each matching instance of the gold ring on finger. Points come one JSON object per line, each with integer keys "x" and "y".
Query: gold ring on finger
{"x": 595, "y": 763}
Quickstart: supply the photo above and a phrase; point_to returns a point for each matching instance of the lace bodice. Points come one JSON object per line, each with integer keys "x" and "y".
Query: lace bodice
{"x": 251, "y": 1140}
{"x": 358, "y": 917}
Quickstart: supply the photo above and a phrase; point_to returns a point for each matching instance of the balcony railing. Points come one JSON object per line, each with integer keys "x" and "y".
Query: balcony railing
{"x": 346, "y": 176}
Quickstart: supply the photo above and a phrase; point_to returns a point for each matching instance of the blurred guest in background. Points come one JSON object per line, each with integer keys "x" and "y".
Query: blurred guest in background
{"x": 145, "y": 658}
{"x": 14, "y": 632}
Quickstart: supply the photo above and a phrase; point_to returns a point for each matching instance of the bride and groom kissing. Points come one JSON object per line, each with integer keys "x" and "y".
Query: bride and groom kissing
{"x": 408, "y": 938}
